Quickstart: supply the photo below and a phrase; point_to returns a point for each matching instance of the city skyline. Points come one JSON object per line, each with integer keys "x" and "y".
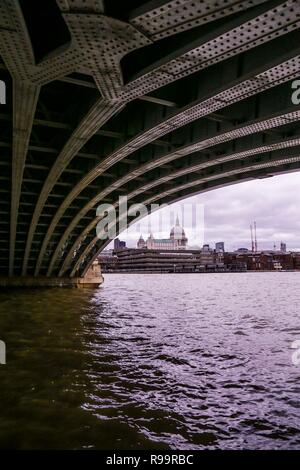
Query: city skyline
{"x": 229, "y": 211}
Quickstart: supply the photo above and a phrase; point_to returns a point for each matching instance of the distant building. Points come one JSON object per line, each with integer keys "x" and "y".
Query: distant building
{"x": 119, "y": 244}
{"x": 220, "y": 246}
{"x": 176, "y": 241}
{"x": 162, "y": 261}
{"x": 108, "y": 252}
{"x": 242, "y": 250}
{"x": 141, "y": 243}
{"x": 283, "y": 247}
{"x": 206, "y": 248}
{"x": 204, "y": 260}
{"x": 296, "y": 260}
{"x": 208, "y": 256}
{"x": 261, "y": 261}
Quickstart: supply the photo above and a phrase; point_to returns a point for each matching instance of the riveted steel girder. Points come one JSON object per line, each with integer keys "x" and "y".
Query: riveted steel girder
{"x": 155, "y": 102}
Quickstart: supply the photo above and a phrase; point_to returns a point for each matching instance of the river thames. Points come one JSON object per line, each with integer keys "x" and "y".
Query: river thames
{"x": 170, "y": 361}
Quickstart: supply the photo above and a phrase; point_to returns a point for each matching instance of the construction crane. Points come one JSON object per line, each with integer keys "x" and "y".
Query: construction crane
{"x": 252, "y": 241}
{"x": 253, "y": 238}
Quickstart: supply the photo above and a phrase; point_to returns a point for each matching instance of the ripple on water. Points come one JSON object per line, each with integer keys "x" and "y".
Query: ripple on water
{"x": 153, "y": 361}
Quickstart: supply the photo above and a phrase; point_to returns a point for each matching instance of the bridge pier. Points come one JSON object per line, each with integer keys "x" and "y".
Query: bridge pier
{"x": 92, "y": 279}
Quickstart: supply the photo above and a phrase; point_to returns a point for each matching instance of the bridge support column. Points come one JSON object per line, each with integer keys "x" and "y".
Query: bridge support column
{"x": 92, "y": 279}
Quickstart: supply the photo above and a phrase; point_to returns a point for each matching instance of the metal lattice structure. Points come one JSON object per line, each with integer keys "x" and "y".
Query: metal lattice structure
{"x": 156, "y": 100}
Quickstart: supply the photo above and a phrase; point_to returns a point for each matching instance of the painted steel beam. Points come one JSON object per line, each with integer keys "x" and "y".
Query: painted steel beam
{"x": 250, "y": 29}
{"x": 160, "y": 19}
{"x": 110, "y": 89}
{"x": 236, "y": 159}
{"x": 96, "y": 56}
{"x": 258, "y": 125}
{"x": 264, "y": 79}
{"x": 251, "y": 38}
{"x": 25, "y": 98}
{"x": 97, "y": 116}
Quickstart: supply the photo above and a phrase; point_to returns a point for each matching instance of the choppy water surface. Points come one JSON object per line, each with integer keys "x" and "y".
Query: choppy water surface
{"x": 192, "y": 361}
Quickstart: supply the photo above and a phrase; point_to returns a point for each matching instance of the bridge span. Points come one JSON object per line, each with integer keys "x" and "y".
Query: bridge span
{"x": 156, "y": 100}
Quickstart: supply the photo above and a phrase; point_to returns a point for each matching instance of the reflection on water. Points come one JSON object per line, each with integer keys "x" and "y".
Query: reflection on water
{"x": 191, "y": 361}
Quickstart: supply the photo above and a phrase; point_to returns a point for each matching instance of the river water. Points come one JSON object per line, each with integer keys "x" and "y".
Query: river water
{"x": 158, "y": 361}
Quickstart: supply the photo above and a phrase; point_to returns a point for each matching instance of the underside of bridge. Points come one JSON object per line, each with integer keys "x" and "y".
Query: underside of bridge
{"x": 156, "y": 100}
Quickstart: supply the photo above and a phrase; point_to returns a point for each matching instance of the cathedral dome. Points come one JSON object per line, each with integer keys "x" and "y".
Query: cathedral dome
{"x": 177, "y": 232}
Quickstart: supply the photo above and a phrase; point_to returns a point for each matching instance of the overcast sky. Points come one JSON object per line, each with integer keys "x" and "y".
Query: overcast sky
{"x": 225, "y": 215}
